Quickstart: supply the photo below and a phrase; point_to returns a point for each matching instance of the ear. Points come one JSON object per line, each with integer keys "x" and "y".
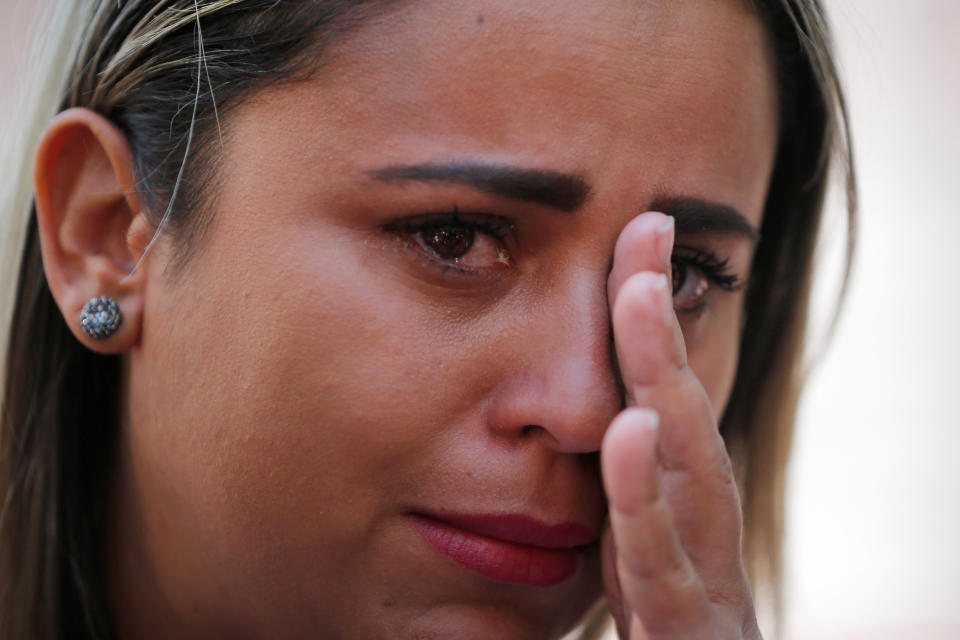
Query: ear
{"x": 92, "y": 228}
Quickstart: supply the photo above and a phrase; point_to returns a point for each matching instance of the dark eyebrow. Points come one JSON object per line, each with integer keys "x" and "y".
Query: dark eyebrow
{"x": 566, "y": 192}
{"x": 693, "y": 215}
{"x": 562, "y": 191}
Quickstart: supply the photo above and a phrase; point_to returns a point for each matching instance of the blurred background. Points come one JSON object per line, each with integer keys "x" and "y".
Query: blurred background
{"x": 874, "y": 498}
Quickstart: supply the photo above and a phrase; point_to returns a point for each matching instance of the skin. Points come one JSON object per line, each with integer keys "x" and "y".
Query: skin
{"x": 316, "y": 373}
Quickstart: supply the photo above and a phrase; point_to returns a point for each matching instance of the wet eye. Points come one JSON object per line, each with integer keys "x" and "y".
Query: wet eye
{"x": 449, "y": 243}
{"x": 468, "y": 243}
{"x": 694, "y": 273}
{"x": 463, "y": 246}
{"x": 690, "y": 286}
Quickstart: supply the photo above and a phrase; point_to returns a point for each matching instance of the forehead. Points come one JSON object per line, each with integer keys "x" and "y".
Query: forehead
{"x": 672, "y": 96}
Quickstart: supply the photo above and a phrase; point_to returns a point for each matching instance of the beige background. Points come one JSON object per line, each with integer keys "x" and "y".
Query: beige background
{"x": 875, "y": 484}
{"x": 875, "y": 499}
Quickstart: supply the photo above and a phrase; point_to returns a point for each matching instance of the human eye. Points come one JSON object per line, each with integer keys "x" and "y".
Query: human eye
{"x": 458, "y": 243}
{"x": 694, "y": 273}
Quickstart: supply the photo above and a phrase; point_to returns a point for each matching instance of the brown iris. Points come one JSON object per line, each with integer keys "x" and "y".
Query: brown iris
{"x": 449, "y": 243}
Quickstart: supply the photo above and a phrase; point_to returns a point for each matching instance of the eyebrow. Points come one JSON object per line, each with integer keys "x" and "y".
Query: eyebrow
{"x": 693, "y": 215}
{"x": 567, "y": 192}
{"x": 563, "y": 191}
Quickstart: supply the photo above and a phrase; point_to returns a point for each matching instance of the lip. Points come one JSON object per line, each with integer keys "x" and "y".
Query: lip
{"x": 511, "y": 548}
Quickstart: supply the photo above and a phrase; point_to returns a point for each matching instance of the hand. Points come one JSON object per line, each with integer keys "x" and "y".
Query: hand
{"x": 671, "y": 552}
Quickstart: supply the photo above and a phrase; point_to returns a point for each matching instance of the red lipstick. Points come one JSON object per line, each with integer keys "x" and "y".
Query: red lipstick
{"x": 509, "y": 548}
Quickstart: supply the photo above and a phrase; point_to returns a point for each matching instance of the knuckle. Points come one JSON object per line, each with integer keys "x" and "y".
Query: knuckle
{"x": 726, "y": 595}
{"x": 721, "y": 473}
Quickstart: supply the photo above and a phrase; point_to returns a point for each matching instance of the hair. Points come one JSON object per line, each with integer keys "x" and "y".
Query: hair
{"x": 167, "y": 72}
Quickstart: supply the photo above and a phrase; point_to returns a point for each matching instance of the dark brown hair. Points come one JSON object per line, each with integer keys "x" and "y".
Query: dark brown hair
{"x": 145, "y": 66}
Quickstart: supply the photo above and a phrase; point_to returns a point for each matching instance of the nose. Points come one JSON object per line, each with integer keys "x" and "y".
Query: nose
{"x": 561, "y": 385}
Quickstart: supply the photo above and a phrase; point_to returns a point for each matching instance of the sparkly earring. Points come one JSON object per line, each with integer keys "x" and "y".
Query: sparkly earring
{"x": 100, "y": 317}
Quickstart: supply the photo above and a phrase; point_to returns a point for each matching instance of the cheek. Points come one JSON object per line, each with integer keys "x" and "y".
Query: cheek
{"x": 297, "y": 401}
{"x": 335, "y": 390}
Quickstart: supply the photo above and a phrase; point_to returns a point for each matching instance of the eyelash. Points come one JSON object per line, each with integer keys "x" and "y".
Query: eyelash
{"x": 715, "y": 269}
{"x": 492, "y": 225}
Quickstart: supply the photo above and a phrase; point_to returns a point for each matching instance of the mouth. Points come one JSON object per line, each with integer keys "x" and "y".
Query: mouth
{"x": 509, "y": 548}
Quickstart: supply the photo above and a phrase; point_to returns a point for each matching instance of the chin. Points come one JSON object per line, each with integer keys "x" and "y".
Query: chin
{"x": 466, "y": 622}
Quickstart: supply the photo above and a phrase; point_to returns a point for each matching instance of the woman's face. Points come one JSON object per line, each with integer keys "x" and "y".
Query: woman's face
{"x": 400, "y": 310}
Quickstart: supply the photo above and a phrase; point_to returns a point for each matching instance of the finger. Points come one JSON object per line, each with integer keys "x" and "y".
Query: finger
{"x": 658, "y": 582}
{"x": 645, "y": 244}
{"x": 611, "y": 583}
{"x": 653, "y": 364}
{"x": 648, "y": 341}
{"x": 699, "y": 484}
{"x": 699, "y": 478}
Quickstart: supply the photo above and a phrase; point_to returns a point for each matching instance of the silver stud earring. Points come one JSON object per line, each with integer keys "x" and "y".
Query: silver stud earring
{"x": 100, "y": 317}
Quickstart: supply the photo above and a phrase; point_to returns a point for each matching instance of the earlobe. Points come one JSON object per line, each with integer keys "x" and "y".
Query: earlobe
{"x": 90, "y": 221}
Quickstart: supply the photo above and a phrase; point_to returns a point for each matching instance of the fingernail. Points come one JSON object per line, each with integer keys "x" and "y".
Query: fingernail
{"x": 665, "y": 240}
{"x": 660, "y": 283}
{"x": 648, "y": 418}
{"x": 665, "y": 300}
